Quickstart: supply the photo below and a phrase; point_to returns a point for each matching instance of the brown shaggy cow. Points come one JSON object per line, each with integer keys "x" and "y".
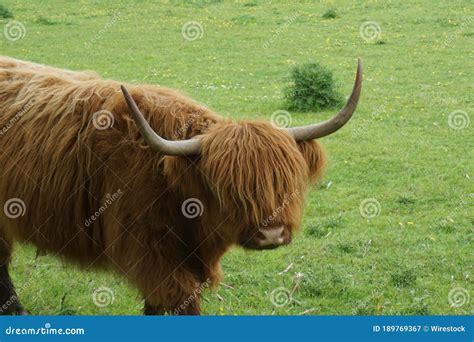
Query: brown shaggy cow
{"x": 159, "y": 196}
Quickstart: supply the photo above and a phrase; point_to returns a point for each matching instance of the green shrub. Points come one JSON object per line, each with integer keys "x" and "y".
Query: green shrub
{"x": 311, "y": 88}
{"x": 5, "y": 13}
{"x": 330, "y": 14}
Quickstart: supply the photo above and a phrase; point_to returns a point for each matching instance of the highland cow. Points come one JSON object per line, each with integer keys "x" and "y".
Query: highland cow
{"x": 149, "y": 183}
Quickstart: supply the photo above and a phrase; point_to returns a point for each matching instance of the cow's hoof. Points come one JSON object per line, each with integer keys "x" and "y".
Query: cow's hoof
{"x": 22, "y": 312}
{"x": 16, "y": 311}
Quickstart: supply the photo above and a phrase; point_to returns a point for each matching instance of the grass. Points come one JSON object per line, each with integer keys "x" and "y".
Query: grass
{"x": 330, "y": 14}
{"x": 5, "y": 13}
{"x": 45, "y": 21}
{"x": 398, "y": 149}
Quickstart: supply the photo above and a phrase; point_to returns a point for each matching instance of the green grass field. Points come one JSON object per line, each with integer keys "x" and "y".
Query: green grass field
{"x": 402, "y": 148}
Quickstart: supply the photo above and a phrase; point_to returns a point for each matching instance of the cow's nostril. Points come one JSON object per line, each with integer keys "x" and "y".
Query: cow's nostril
{"x": 260, "y": 236}
{"x": 271, "y": 236}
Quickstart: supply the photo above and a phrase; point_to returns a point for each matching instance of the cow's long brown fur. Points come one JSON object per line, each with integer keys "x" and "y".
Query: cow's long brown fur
{"x": 63, "y": 168}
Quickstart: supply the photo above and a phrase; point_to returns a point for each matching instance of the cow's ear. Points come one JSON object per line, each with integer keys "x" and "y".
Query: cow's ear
{"x": 315, "y": 157}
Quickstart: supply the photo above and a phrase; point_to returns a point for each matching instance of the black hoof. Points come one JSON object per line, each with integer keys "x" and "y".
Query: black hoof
{"x": 21, "y": 312}
{"x": 14, "y": 311}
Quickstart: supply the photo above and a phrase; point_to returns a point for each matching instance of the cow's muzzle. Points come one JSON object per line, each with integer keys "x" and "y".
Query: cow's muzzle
{"x": 269, "y": 238}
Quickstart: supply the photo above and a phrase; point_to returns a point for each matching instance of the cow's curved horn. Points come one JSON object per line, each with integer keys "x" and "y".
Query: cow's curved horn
{"x": 319, "y": 130}
{"x": 157, "y": 143}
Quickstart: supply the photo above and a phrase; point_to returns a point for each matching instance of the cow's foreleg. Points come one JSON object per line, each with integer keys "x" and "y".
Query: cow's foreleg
{"x": 153, "y": 310}
{"x": 193, "y": 309}
{"x": 9, "y": 302}
{"x": 189, "y": 305}
{"x": 168, "y": 289}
